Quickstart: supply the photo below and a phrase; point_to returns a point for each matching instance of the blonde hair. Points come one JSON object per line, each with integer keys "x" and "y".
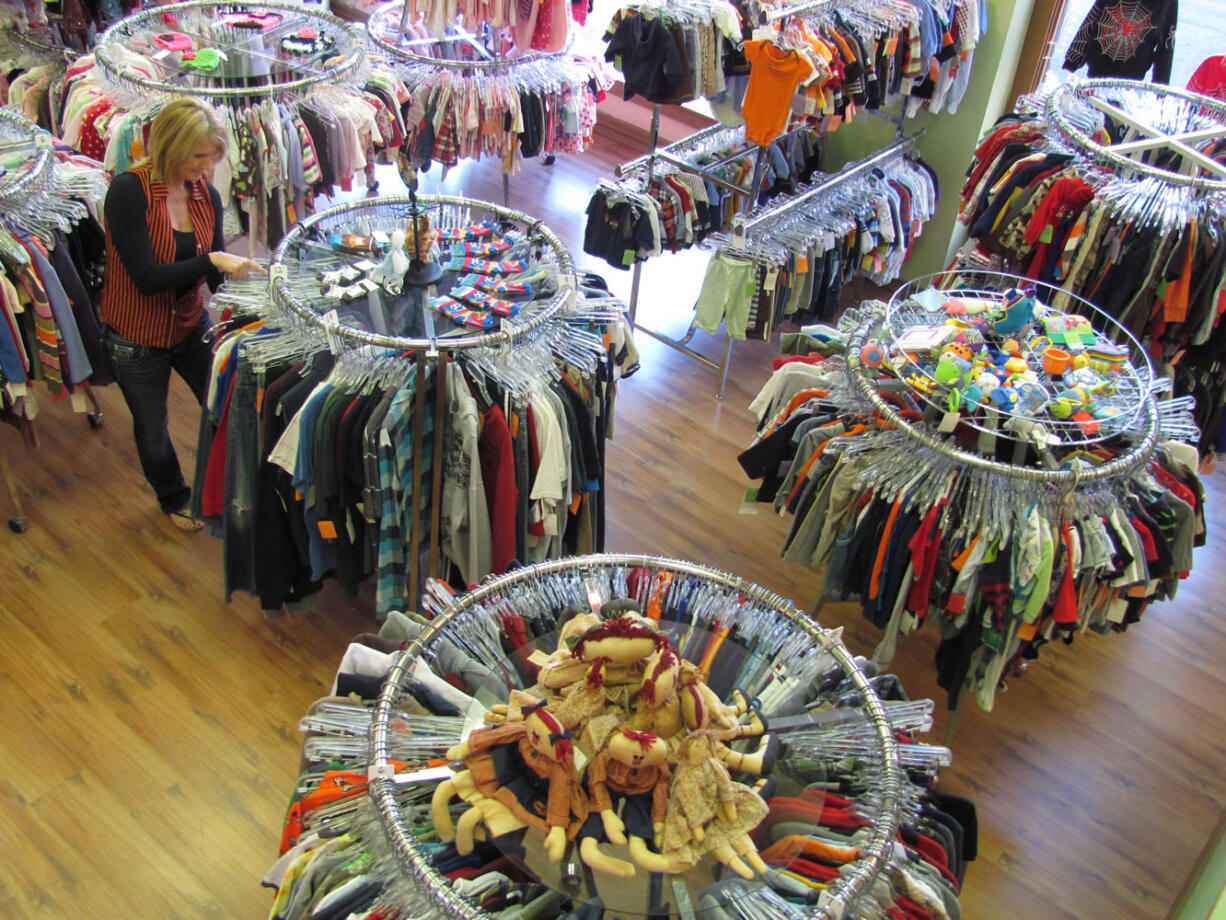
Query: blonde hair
{"x": 178, "y": 129}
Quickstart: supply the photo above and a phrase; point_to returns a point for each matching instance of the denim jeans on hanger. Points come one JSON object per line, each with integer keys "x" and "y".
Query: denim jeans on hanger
{"x": 242, "y": 467}
{"x": 143, "y": 375}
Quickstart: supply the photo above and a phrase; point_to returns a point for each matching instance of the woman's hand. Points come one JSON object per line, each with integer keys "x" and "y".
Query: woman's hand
{"x": 234, "y": 266}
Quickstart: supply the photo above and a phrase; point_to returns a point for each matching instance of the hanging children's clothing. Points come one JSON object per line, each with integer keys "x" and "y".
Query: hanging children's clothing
{"x": 359, "y": 463}
{"x": 1126, "y": 40}
{"x": 51, "y": 264}
{"x": 512, "y": 112}
{"x": 914, "y": 533}
{"x": 283, "y": 148}
{"x": 796, "y": 264}
{"x": 672, "y": 54}
{"x": 636, "y": 218}
{"x": 1028, "y": 209}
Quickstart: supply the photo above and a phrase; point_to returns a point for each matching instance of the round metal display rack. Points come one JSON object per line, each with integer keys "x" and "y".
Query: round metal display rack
{"x": 1158, "y": 117}
{"x": 594, "y": 581}
{"x": 295, "y": 265}
{"x": 1133, "y": 395}
{"x": 252, "y": 62}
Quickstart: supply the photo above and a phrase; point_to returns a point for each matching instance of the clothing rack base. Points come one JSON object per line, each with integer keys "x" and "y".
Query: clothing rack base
{"x": 18, "y": 523}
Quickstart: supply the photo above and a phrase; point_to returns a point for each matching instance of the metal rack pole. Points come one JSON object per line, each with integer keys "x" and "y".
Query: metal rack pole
{"x": 744, "y": 225}
{"x": 682, "y": 344}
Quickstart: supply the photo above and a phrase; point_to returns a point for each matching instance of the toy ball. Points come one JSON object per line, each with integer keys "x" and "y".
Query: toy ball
{"x": 1062, "y": 407}
{"x": 1032, "y": 398}
{"x": 872, "y": 355}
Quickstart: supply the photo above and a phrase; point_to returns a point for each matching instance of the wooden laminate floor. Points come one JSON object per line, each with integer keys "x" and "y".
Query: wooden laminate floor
{"x": 148, "y": 736}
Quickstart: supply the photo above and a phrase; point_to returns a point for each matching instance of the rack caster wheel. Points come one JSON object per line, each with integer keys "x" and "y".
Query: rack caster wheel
{"x": 94, "y": 419}
{"x": 19, "y": 523}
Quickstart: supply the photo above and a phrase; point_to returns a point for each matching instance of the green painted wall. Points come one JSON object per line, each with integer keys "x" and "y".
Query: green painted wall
{"x": 950, "y": 139}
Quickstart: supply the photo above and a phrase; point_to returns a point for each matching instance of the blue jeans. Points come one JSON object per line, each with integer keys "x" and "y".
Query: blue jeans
{"x": 143, "y": 375}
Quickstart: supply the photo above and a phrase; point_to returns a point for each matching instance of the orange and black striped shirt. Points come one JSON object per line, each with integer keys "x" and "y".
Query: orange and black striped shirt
{"x": 152, "y": 291}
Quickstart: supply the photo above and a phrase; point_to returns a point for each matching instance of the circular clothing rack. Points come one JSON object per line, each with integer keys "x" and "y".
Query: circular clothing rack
{"x": 1158, "y": 118}
{"x": 300, "y": 256}
{"x": 591, "y": 582}
{"x": 257, "y": 49}
{"x": 386, "y": 30}
{"x": 1138, "y": 415}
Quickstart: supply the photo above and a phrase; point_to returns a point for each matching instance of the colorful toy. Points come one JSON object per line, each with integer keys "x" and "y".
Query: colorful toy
{"x": 1018, "y": 312}
{"x": 1107, "y": 358}
{"x": 1070, "y": 331}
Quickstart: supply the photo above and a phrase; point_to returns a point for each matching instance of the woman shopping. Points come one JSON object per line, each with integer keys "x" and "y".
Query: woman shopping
{"x": 163, "y": 244}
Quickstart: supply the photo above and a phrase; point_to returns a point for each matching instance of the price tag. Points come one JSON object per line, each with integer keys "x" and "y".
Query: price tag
{"x": 331, "y": 321}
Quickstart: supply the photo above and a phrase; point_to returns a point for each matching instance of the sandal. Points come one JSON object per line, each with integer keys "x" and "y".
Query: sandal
{"x": 183, "y": 520}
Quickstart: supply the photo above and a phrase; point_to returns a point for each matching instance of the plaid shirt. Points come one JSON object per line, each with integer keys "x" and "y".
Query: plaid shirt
{"x": 670, "y": 209}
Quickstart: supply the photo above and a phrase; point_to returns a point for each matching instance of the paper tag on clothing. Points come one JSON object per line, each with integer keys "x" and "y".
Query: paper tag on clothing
{"x": 628, "y": 257}
{"x": 772, "y": 275}
{"x": 78, "y": 401}
{"x": 157, "y": 57}
{"x": 1048, "y": 234}
{"x": 765, "y": 33}
{"x": 802, "y": 265}
{"x": 327, "y": 530}
{"x": 17, "y": 390}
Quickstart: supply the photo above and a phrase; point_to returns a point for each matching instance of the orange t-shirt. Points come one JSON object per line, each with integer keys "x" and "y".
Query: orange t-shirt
{"x": 773, "y": 76}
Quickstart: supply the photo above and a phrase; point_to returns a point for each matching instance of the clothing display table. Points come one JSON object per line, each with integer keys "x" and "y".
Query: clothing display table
{"x": 847, "y": 758}
{"x": 445, "y": 345}
{"x": 968, "y": 455}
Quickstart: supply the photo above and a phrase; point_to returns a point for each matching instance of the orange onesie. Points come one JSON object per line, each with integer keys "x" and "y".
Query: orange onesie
{"x": 773, "y": 76}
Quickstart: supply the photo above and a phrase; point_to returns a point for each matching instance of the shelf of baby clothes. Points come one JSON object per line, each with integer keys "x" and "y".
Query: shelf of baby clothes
{"x": 45, "y": 196}
{"x": 461, "y": 330}
{"x": 1019, "y": 454}
{"x": 780, "y": 773}
{"x": 504, "y": 92}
